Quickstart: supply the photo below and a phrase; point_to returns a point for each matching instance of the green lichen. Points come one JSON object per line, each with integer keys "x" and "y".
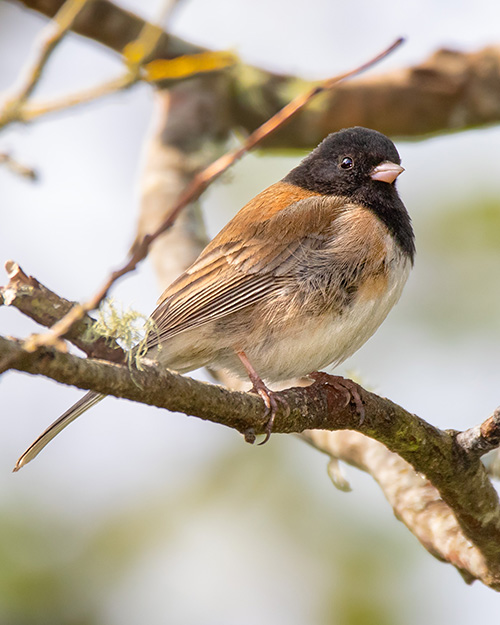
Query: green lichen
{"x": 128, "y": 327}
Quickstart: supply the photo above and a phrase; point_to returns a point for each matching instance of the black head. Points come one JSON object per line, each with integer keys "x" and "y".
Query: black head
{"x": 343, "y": 162}
{"x": 347, "y": 163}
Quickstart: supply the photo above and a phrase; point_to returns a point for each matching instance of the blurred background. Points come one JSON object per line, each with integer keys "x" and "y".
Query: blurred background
{"x": 135, "y": 515}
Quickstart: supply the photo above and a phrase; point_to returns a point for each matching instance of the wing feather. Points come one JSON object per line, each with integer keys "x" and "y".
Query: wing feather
{"x": 231, "y": 275}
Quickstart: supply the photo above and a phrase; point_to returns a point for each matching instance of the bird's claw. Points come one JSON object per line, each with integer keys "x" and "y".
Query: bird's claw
{"x": 270, "y": 400}
{"x": 346, "y": 387}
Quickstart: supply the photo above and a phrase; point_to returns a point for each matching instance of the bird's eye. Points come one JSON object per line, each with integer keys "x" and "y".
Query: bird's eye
{"x": 347, "y": 163}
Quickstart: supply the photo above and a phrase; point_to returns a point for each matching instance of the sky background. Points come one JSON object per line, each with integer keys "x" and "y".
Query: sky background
{"x": 136, "y": 515}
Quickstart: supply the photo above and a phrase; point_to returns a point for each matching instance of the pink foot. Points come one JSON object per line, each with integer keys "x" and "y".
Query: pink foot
{"x": 344, "y": 386}
{"x": 269, "y": 398}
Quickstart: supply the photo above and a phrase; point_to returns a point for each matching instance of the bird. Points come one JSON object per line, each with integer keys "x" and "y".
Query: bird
{"x": 298, "y": 280}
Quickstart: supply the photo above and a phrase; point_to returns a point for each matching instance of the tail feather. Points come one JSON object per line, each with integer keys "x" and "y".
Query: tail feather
{"x": 81, "y": 406}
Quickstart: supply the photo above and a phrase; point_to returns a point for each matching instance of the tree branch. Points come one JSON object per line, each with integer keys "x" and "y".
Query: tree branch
{"x": 114, "y": 27}
{"x": 415, "y": 501}
{"x": 55, "y": 32}
{"x": 161, "y": 71}
{"x": 18, "y": 168}
{"x": 460, "y": 479}
{"x": 455, "y": 507}
{"x": 449, "y": 91}
{"x": 483, "y": 438}
{"x": 46, "y": 308}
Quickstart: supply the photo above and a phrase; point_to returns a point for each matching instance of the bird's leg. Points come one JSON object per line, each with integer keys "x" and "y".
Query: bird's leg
{"x": 269, "y": 398}
{"x": 346, "y": 387}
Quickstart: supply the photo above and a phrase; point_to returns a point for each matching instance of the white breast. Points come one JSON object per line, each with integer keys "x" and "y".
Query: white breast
{"x": 316, "y": 342}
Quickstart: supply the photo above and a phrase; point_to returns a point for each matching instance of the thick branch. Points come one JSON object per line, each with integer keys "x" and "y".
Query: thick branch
{"x": 414, "y": 499}
{"x": 461, "y": 481}
{"x": 46, "y": 308}
{"x": 450, "y": 91}
{"x": 114, "y": 27}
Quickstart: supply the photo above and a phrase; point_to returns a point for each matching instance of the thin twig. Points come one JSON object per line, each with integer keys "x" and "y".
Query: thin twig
{"x": 205, "y": 62}
{"x": 17, "y": 108}
{"x": 481, "y": 439}
{"x": 194, "y": 190}
{"x": 123, "y": 82}
{"x": 16, "y": 167}
{"x": 136, "y": 54}
{"x": 52, "y": 35}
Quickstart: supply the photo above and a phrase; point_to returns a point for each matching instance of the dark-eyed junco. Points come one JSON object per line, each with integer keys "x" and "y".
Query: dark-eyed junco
{"x": 299, "y": 279}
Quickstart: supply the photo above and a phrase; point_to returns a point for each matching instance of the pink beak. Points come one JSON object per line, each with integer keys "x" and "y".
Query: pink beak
{"x": 386, "y": 172}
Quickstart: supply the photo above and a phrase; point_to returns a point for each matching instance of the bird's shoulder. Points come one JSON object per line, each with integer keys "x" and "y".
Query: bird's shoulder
{"x": 281, "y": 212}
